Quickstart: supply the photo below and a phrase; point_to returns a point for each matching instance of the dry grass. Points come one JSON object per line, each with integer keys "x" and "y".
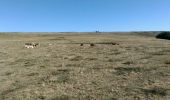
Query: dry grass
{"x": 136, "y": 69}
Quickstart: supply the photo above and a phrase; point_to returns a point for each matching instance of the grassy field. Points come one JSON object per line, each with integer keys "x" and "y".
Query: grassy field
{"x": 137, "y": 69}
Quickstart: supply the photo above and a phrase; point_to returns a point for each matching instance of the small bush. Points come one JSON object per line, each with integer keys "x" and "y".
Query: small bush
{"x": 164, "y": 35}
{"x": 90, "y": 59}
{"x": 124, "y": 70}
{"x": 62, "y": 97}
{"x": 167, "y": 62}
{"x": 76, "y": 58}
{"x": 156, "y": 91}
{"x": 59, "y": 76}
{"x": 128, "y": 63}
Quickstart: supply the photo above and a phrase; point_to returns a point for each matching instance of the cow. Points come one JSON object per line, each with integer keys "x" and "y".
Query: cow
{"x": 92, "y": 44}
{"x": 81, "y": 44}
{"x": 31, "y": 45}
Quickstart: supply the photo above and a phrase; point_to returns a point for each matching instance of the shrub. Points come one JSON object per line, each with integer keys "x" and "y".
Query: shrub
{"x": 156, "y": 91}
{"x": 164, "y": 35}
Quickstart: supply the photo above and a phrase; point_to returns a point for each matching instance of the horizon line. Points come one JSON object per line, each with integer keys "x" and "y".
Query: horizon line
{"x": 75, "y": 31}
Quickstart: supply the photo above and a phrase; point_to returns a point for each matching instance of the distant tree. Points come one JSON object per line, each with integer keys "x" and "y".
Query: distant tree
{"x": 97, "y": 32}
{"x": 164, "y": 35}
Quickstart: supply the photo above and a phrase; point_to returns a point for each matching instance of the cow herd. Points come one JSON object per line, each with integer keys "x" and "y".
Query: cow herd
{"x": 93, "y": 44}
{"x": 90, "y": 44}
{"x": 33, "y": 45}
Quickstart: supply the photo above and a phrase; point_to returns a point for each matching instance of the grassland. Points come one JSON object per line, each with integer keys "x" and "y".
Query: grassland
{"x": 137, "y": 69}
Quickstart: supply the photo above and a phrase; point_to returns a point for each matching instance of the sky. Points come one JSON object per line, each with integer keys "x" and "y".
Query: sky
{"x": 84, "y": 15}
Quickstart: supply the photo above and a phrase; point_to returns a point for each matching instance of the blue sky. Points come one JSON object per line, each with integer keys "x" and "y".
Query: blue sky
{"x": 84, "y": 15}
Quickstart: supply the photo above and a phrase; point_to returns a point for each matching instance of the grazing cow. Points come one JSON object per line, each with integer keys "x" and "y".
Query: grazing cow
{"x": 91, "y": 44}
{"x": 31, "y": 45}
{"x": 81, "y": 44}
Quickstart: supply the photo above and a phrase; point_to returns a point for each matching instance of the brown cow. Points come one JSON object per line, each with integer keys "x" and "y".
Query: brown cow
{"x": 81, "y": 44}
{"x": 92, "y": 44}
